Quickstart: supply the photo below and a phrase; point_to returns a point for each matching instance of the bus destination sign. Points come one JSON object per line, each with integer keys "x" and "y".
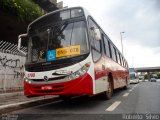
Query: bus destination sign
{"x": 67, "y": 51}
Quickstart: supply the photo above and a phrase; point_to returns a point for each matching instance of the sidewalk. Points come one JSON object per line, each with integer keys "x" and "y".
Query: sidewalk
{"x": 16, "y": 100}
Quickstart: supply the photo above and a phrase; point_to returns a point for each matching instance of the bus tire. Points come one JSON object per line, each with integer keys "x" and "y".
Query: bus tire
{"x": 126, "y": 86}
{"x": 109, "y": 92}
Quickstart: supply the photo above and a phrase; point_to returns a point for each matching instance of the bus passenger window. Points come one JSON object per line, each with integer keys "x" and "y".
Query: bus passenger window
{"x": 125, "y": 64}
{"x": 122, "y": 61}
{"x": 106, "y": 46}
{"x": 118, "y": 57}
{"x": 110, "y": 53}
{"x": 113, "y": 52}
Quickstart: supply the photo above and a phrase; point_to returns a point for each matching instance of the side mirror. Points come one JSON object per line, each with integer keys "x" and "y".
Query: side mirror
{"x": 19, "y": 43}
{"x": 97, "y": 34}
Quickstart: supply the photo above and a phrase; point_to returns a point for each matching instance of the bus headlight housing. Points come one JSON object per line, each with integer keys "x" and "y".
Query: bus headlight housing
{"x": 27, "y": 80}
{"x": 79, "y": 72}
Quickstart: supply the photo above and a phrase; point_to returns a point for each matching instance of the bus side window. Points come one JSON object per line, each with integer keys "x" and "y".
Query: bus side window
{"x": 113, "y": 53}
{"x": 95, "y": 44}
{"x": 110, "y": 53}
{"x": 118, "y": 57}
{"x": 125, "y": 63}
{"x": 106, "y": 46}
{"x": 122, "y": 61}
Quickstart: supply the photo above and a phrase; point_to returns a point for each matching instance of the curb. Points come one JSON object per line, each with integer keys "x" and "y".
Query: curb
{"x": 11, "y": 94}
{"x": 21, "y": 105}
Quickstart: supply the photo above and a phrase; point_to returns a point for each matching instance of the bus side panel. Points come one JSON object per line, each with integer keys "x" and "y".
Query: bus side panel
{"x": 105, "y": 66}
{"x": 101, "y": 76}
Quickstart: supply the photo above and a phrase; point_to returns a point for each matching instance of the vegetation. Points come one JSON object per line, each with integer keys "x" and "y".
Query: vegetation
{"x": 153, "y": 74}
{"x": 25, "y": 10}
{"x": 158, "y": 75}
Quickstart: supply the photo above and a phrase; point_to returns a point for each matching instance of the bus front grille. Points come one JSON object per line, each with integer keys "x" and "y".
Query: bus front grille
{"x": 50, "y": 79}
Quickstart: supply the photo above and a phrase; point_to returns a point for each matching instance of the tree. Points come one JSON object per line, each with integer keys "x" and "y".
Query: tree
{"x": 25, "y": 10}
{"x": 15, "y": 17}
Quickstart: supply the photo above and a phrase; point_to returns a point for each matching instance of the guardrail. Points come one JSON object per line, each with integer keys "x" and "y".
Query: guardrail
{"x": 6, "y": 47}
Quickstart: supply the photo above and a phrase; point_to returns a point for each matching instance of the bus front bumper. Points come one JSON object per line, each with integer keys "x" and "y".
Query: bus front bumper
{"x": 79, "y": 86}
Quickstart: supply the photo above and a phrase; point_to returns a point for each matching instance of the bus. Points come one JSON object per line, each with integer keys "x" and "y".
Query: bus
{"x": 69, "y": 54}
{"x": 133, "y": 76}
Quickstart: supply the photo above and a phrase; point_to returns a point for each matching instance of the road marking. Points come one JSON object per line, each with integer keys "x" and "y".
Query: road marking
{"x": 134, "y": 86}
{"x": 126, "y": 94}
{"x": 130, "y": 90}
{"x": 113, "y": 106}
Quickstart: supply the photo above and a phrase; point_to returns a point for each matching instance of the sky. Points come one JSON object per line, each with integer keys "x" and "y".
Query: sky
{"x": 138, "y": 19}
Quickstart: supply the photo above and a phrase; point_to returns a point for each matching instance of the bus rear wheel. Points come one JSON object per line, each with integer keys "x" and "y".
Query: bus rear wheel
{"x": 126, "y": 86}
{"x": 109, "y": 92}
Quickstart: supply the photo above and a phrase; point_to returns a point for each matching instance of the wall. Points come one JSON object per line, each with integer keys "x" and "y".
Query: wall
{"x": 11, "y": 71}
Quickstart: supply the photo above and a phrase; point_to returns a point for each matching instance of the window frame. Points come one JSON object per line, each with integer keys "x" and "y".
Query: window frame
{"x": 91, "y": 39}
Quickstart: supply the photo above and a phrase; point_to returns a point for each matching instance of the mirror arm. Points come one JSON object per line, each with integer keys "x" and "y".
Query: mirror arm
{"x": 19, "y": 43}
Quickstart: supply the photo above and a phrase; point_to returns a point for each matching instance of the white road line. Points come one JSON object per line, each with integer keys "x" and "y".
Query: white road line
{"x": 113, "y": 106}
{"x": 134, "y": 86}
{"x": 130, "y": 90}
{"x": 126, "y": 94}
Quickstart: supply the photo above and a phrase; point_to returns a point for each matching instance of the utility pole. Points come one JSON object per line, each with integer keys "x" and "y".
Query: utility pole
{"x": 121, "y": 41}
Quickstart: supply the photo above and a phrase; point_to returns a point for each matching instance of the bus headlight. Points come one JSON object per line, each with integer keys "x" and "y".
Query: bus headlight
{"x": 80, "y": 72}
{"x": 27, "y": 80}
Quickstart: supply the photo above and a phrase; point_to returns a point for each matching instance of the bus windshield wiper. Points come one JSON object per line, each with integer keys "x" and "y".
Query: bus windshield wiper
{"x": 60, "y": 29}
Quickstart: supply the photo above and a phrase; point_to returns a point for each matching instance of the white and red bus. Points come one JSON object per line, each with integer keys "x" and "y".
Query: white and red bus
{"x": 69, "y": 54}
{"x": 134, "y": 78}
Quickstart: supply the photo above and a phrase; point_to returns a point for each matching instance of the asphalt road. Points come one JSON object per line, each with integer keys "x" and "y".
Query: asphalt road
{"x": 139, "y": 98}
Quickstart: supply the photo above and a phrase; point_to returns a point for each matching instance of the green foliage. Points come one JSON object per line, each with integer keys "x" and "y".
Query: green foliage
{"x": 25, "y": 10}
{"x": 146, "y": 76}
{"x": 158, "y": 75}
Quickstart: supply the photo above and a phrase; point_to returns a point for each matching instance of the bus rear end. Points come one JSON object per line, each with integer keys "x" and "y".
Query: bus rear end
{"x": 133, "y": 76}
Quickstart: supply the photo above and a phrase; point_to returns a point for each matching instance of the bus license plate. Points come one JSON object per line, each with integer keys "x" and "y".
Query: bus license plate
{"x": 46, "y": 88}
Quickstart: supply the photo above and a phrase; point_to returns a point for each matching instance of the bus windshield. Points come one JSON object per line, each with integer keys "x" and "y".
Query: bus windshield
{"x": 131, "y": 70}
{"x": 132, "y": 76}
{"x": 58, "y": 41}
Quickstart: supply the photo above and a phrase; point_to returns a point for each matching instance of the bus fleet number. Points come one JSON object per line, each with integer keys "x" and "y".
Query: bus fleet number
{"x": 31, "y": 75}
